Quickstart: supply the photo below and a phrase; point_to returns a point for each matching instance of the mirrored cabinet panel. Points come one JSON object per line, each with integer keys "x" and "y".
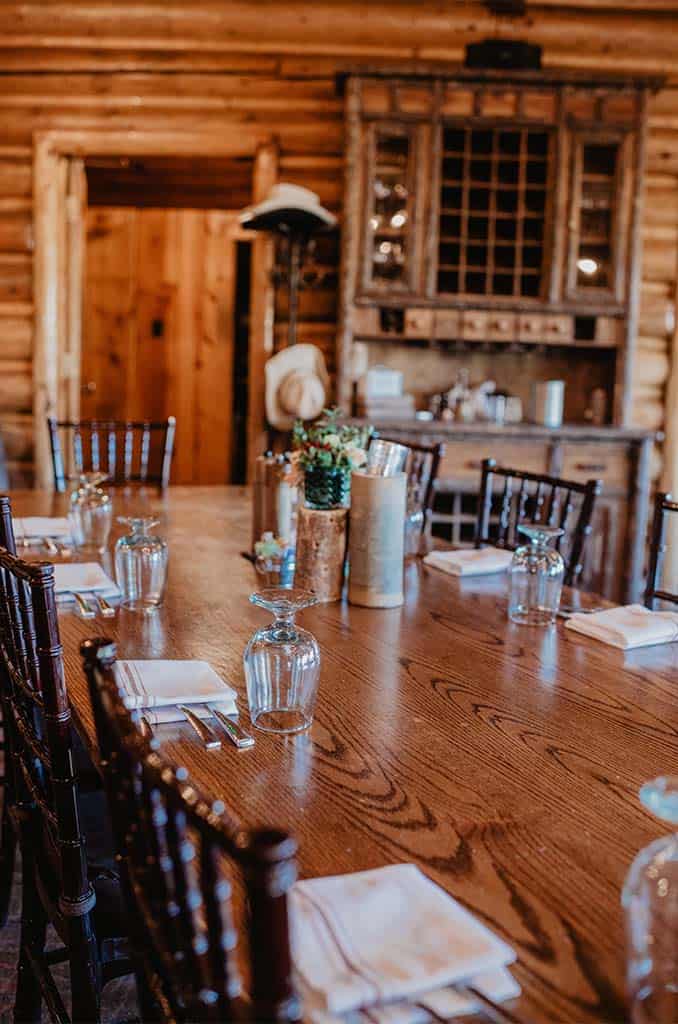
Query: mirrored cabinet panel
{"x": 596, "y": 244}
{"x": 389, "y": 226}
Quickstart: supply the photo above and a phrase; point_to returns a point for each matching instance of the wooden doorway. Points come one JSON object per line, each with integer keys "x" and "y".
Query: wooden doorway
{"x": 159, "y": 333}
{"x": 59, "y": 270}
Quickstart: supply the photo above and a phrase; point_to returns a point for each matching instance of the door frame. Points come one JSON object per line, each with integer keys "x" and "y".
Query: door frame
{"x": 51, "y": 279}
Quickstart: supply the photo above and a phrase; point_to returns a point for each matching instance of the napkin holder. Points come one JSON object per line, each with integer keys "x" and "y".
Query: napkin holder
{"x": 321, "y": 551}
{"x": 377, "y": 540}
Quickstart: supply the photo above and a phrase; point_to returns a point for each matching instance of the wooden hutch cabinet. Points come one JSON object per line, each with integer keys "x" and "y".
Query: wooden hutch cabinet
{"x": 499, "y": 212}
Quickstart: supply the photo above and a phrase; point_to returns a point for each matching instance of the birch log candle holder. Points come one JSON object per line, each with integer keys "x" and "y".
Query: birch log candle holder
{"x": 321, "y": 551}
{"x": 377, "y": 540}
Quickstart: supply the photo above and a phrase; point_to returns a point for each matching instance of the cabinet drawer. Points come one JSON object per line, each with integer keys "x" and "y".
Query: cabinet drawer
{"x": 418, "y": 323}
{"x": 558, "y": 328}
{"x": 609, "y": 463}
{"x": 531, "y": 327}
{"x": 446, "y": 324}
{"x": 462, "y": 459}
{"x": 501, "y": 326}
{"x": 474, "y": 324}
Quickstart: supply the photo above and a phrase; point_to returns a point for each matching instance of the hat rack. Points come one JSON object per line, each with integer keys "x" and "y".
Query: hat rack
{"x": 295, "y": 227}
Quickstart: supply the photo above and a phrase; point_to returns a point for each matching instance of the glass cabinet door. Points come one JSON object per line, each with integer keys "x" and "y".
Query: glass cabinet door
{"x": 389, "y": 227}
{"x": 596, "y": 250}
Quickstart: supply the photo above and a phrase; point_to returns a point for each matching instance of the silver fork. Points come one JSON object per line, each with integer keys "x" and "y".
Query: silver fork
{"x": 86, "y": 611}
{"x": 206, "y": 733}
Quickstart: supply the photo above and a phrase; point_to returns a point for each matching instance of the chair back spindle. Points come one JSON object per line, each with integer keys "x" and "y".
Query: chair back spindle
{"x": 664, "y": 508}
{"x": 128, "y": 451}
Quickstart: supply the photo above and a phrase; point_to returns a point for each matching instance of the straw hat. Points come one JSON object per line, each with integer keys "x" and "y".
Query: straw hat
{"x": 297, "y": 385}
{"x": 291, "y": 206}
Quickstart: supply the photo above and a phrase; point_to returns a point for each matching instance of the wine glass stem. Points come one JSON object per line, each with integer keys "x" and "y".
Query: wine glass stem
{"x": 283, "y": 627}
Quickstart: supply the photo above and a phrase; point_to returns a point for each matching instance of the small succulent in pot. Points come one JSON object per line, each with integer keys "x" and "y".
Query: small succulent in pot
{"x": 328, "y": 451}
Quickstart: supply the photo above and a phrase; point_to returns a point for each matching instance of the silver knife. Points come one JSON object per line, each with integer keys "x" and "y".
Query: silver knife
{"x": 238, "y": 737}
{"x": 204, "y": 731}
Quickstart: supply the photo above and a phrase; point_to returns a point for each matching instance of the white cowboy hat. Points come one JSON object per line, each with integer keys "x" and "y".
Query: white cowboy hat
{"x": 291, "y": 205}
{"x": 297, "y": 385}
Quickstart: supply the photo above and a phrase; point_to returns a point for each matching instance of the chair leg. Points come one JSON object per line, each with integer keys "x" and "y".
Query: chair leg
{"x": 7, "y": 860}
{"x": 85, "y": 973}
{"x": 28, "y": 1000}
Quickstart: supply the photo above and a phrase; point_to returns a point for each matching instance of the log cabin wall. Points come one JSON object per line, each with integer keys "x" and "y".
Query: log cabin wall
{"x": 175, "y": 65}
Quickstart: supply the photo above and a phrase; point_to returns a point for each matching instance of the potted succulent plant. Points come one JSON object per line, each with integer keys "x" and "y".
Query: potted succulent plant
{"x": 327, "y": 451}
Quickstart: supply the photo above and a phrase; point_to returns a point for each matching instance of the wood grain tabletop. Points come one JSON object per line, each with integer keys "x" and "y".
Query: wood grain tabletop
{"x": 504, "y": 760}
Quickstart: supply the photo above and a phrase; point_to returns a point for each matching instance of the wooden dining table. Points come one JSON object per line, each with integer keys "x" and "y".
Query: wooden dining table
{"x": 503, "y": 760}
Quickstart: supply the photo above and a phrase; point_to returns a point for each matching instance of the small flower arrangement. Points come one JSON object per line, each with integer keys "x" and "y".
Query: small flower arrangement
{"x": 328, "y": 444}
{"x": 328, "y": 451}
{"x": 270, "y": 546}
{"x": 272, "y": 559}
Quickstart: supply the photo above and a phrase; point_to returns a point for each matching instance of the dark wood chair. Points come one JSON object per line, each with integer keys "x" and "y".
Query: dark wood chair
{"x": 536, "y": 498}
{"x": 193, "y": 882}
{"x": 422, "y": 468}
{"x": 664, "y": 506}
{"x": 127, "y": 451}
{"x": 68, "y": 872}
{"x": 7, "y": 835}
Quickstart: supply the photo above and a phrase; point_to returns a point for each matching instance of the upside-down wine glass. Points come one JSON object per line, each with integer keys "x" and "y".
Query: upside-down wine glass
{"x": 536, "y": 577}
{"x": 650, "y": 900}
{"x": 282, "y": 664}
{"x": 91, "y": 512}
{"x": 141, "y": 564}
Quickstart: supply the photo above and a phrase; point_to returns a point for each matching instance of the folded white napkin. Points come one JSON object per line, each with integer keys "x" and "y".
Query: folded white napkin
{"x": 470, "y": 561}
{"x": 38, "y": 527}
{"x": 387, "y": 935}
{"x": 161, "y": 685}
{"x": 82, "y": 576}
{"x": 628, "y": 626}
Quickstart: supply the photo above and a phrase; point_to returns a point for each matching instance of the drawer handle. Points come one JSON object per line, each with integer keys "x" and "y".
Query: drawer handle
{"x": 591, "y": 467}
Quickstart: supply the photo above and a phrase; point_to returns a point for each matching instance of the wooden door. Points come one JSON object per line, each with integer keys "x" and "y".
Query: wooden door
{"x": 158, "y": 336}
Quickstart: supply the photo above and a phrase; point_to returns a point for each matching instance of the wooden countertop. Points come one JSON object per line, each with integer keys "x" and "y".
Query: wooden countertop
{"x": 568, "y": 431}
{"x": 505, "y": 761}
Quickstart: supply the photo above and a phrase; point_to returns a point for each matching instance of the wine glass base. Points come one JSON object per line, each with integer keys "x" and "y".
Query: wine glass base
{"x": 281, "y": 720}
{"x": 532, "y": 617}
{"x": 144, "y": 608}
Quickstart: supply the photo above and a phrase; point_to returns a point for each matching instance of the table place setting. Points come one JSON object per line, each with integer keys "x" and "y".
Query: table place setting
{"x": 170, "y": 691}
{"x": 393, "y": 944}
{"x": 86, "y": 584}
{"x": 470, "y": 561}
{"x": 51, "y": 532}
{"x": 626, "y": 626}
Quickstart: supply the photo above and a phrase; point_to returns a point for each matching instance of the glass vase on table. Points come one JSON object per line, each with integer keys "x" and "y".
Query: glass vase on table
{"x": 536, "y": 577}
{"x": 650, "y": 901}
{"x": 282, "y": 664}
{"x": 141, "y": 565}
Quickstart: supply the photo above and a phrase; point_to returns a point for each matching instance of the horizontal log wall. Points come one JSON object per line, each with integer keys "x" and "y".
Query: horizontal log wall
{"x": 177, "y": 65}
